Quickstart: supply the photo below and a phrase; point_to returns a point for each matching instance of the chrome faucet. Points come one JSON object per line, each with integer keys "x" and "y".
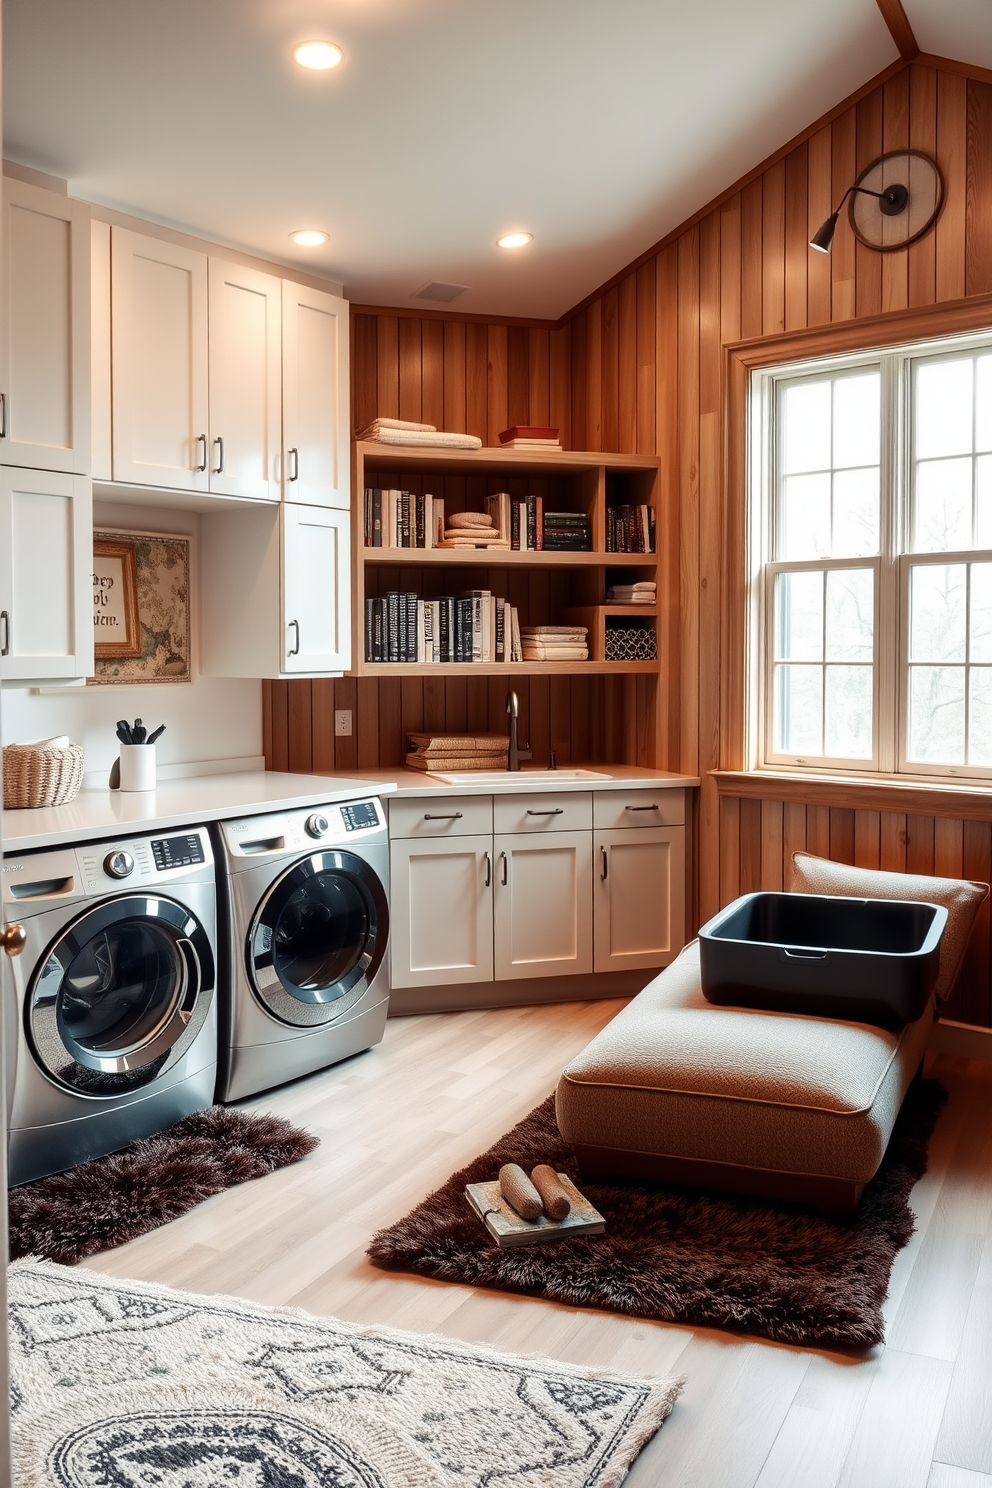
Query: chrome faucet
{"x": 516, "y": 753}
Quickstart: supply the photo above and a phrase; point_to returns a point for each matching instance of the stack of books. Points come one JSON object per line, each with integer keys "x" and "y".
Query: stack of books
{"x": 555, "y": 642}
{"x": 630, "y": 529}
{"x": 475, "y": 626}
{"x": 402, "y": 519}
{"x": 458, "y": 751}
{"x": 567, "y": 532}
{"x": 530, "y": 437}
{"x": 527, "y": 524}
{"x": 645, "y": 591}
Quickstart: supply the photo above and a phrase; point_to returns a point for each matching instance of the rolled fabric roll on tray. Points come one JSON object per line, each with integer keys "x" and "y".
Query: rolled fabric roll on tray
{"x": 557, "y": 1204}
{"x": 519, "y": 1192}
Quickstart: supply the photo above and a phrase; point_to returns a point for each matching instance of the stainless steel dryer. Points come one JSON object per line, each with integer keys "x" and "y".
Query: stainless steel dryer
{"x": 116, "y": 1019}
{"x": 306, "y": 925}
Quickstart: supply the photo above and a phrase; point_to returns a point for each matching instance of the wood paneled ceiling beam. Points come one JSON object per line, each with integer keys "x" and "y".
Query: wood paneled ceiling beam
{"x": 902, "y": 32}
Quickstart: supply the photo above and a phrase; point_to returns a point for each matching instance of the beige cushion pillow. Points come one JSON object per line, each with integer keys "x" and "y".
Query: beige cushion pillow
{"x": 959, "y": 896}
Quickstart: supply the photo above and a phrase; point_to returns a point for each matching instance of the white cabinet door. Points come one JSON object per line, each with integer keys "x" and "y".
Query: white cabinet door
{"x": 315, "y": 397}
{"x": 441, "y": 911}
{"x": 46, "y": 583}
{"x": 159, "y": 362}
{"x": 543, "y": 917}
{"x": 245, "y": 309}
{"x": 316, "y": 588}
{"x": 639, "y": 897}
{"x": 45, "y": 336}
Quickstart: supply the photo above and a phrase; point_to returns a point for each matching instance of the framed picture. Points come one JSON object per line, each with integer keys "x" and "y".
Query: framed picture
{"x": 116, "y": 633}
{"x": 161, "y": 650}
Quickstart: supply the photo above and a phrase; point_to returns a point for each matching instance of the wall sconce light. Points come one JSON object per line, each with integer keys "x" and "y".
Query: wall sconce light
{"x": 892, "y": 203}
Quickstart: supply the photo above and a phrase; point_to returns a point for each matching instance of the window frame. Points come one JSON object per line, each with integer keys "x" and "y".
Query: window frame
{"x": 763, "y": 388}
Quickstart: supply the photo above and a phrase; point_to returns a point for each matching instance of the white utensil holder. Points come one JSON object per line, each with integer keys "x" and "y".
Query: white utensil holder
{"x": 137, "y": 767}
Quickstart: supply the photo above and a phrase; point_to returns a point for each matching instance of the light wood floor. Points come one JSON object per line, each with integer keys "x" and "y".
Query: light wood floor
{"x": 396, "y": 1122}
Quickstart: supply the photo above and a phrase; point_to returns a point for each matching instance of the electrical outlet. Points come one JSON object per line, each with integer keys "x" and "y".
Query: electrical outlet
{"x": 342, "y": 722}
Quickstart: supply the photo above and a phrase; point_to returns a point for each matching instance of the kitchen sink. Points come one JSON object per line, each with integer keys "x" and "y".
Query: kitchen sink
{"x": 525, "y": 777}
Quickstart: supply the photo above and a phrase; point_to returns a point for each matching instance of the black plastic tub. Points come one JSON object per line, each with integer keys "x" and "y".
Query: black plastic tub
{"x": 863, "y": 960}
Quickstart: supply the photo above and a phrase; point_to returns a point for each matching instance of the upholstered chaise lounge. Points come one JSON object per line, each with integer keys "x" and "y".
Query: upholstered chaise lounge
{"x": 757, "y": 1102}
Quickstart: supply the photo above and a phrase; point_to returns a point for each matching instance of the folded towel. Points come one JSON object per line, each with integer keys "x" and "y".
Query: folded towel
{"x": 390, "y": 423}
{"x": 535, "y": 651}
{"x": 436, "y": 762}
{"x": 423, "y": 437}
{"x": 554, "y": 630}
{"x": 475, "y": 542}
{"x": 459, "y": 743}
{"x": 471, "y": 534}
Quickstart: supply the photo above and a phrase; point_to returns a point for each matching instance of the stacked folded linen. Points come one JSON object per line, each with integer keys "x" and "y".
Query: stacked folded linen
{"x": 400, "y": 431}
{"x": 472, "y": 530}
{"x": 458, "y": 751}
{"x": 645, "y": 591}
{"x": 554, "y": 642}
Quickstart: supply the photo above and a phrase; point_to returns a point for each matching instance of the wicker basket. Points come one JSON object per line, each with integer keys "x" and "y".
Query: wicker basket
{"x": 44, "y": 772}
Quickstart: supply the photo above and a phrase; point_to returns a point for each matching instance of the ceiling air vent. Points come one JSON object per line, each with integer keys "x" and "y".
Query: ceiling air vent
{"x": 443, "y": 292}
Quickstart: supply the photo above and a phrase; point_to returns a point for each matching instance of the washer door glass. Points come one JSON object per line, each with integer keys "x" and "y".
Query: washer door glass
{"x": 318, "y": 938}
{"x": 122, "y": 992}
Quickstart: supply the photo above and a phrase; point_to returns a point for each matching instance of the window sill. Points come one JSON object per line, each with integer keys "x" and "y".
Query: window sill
{"x": 855, "y": 792}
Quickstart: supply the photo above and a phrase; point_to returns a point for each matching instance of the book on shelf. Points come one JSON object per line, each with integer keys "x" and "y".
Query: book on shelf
{"x": 508, "y": 1229}
{"x": 568, "y": 532}
{"x": 402, "y": 519}
{"x": 630, "y": 529}
{"x": 529, "y": 436}
{"x": 477, "y": 626}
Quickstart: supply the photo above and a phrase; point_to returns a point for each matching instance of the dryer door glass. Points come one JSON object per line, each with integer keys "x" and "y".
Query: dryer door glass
{"x": 318, "y": 938}
{"x": 122, "y": 994}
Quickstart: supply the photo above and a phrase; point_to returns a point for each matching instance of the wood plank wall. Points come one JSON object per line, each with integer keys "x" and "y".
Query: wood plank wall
{"x": 477, "y": 378}
{"x": 647, "y": 375}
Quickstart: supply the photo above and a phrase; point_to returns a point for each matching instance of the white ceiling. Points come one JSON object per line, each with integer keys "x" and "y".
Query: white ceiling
{"x": 598, "y": 125}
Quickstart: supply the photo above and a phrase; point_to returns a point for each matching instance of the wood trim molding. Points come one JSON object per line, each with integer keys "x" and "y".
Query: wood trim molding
{"x": 899, "y": 28}
{"x": 958, "y": 803}
{"x": 415, "y": 312}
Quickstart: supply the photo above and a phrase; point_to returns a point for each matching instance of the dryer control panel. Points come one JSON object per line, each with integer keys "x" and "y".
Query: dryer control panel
{"x": 282, "y": 833}
{"x": 35, "y": 881}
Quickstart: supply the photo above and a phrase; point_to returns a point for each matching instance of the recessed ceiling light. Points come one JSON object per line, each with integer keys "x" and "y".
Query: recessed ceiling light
{"x": 515, "y": 240}
{"x": 309, "y": 237}
{"x": 317, "y": 55}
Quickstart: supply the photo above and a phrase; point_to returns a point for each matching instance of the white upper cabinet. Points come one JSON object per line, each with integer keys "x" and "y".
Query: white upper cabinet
{"x": 159, "y": 363}
{"x": 45, "y": 336}
{"x": 316, "y": 397}
{"x": 316, "y": 577}
{"x": 46, "y": 565}
{"x": 245, "y": 315}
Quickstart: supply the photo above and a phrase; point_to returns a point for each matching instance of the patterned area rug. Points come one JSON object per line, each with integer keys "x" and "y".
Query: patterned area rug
{"x": 686, "y": 1255}
{"x": 112, "y": 1199}
{"x": 117, "y": 1384}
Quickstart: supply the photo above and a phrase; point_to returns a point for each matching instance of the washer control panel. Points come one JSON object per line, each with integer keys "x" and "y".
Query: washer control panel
{"x": 119, "y": 864}
{"x": 177, "y": 852}
{"x": 280, "y": 833}
{"x": 36, "y": 880}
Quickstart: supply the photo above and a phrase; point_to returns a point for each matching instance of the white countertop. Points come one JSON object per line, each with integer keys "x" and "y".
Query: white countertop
{"x": 102, "y": 813}
{"x": 402, "y": 782}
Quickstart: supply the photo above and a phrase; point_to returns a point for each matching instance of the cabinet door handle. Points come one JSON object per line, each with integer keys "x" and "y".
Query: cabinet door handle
{"x": 489, "y": 869}
{"x": 506, "y": 869}
{"x": 437, "y": 816}
{"x": 294, "y": 464}
{"x": 3, "y": 415}
{"x": 5, "y": 623}
{"x": 655, "y": 807}
{"x": 606, "y": 865}
{"x": 219, "y": 467}
{"x": 552, "y": 811}
{"x": 201, "y": 440}
{"x": 294, "y": 650}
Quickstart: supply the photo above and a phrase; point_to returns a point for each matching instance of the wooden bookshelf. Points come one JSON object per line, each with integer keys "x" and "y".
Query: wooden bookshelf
{"x": 547, "y": 587}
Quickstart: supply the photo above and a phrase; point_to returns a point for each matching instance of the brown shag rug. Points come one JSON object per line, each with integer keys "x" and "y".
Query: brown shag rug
{"x": 684, "y": 1255}
{"x": 113, "y": 1199}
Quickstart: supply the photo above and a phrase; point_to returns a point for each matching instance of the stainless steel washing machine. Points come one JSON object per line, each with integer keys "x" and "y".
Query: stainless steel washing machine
{"x": 114, "y": 1031}
{"x": 306, "y": 922}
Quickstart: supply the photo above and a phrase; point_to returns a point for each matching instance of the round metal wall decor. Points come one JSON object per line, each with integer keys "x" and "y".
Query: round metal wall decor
{"x": 874, "y": 223}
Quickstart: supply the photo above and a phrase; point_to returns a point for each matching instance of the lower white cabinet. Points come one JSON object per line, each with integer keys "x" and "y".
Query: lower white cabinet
{"x": 542, "y": 923}
{"x": 276, "y": 592}
{"x": 545, "y": 900}
{"x": 639, "y": 899}
{"x": 441, "y": 911}
{"x": 46, "y": 576}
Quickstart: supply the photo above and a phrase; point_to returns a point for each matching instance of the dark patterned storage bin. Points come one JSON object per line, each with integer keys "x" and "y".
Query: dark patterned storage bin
{"x": 631, "y": 643}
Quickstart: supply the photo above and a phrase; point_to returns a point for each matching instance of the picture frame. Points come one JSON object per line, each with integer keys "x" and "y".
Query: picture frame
{"x": 164, "y": 651}
{"x": 116, "y": 630}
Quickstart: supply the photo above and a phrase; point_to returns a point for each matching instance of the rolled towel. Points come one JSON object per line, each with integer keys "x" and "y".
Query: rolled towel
{"x": 519, "y": 1192}
{"x": 469, "y": 519}
{"x": 554, "y": 1195}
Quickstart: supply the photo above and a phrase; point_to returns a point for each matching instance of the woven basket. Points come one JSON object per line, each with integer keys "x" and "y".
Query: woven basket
{"x": 45, "y": 772}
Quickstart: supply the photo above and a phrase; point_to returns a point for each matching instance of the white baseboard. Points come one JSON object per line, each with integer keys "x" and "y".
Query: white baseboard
{"x": 963, "y": 1039}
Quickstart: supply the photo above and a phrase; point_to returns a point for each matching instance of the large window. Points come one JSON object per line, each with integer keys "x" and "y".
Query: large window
{"x": 872, "y": 561}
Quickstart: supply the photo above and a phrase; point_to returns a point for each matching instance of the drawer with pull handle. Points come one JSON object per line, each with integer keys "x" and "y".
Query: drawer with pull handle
{"x": 639, "y": 808}
{"x": 441, "y": 816}
{"x": 564, "y": 811}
